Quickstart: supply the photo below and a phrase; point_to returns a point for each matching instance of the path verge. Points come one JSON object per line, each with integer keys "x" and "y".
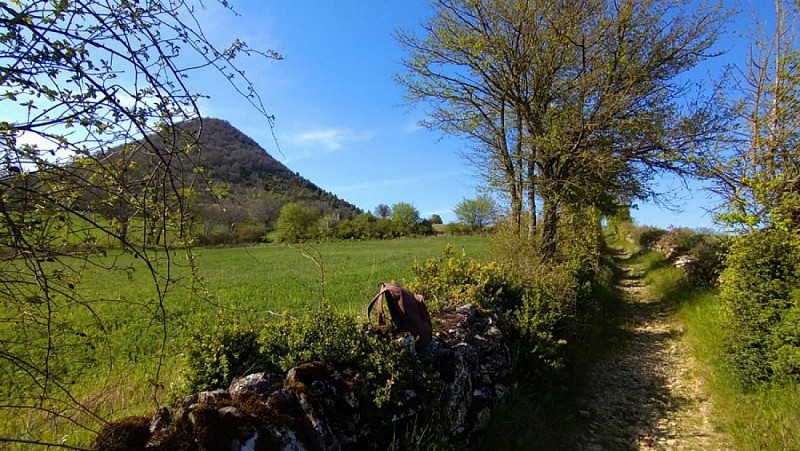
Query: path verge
{"x": 645, "y": 394}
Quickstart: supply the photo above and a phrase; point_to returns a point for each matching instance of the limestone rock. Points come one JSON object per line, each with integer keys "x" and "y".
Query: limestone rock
{"x": 317, "y": 406}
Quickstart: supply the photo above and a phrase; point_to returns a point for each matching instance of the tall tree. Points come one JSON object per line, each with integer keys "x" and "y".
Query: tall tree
{"x": 383, "y": 211}
{"x": 297, "y": 222}
{"x": 574, "y": 101}
{"x": 405, "y": 216}
{"x": 757, "y": 170}
{"x": 78, "y": 79}
{"x": 476, "y": 213}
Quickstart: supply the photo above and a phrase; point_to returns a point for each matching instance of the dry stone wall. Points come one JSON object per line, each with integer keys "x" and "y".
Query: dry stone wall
{"x": 316, "y": 406}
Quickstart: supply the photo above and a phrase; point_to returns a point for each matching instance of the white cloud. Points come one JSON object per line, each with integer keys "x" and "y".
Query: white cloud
{"x": 413, "y": 126}
{"x": 330, "y": 139}
{"x": 46, "y": 148}
{"x": 35, "y": 140}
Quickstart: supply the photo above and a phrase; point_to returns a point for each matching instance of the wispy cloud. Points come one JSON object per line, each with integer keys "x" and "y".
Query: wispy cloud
{"x": 330, "y": 139}
{"x": 413, "y": 126}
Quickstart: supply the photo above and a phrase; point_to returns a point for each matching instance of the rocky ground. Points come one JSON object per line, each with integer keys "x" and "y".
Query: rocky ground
{"x": 645, "y": 395}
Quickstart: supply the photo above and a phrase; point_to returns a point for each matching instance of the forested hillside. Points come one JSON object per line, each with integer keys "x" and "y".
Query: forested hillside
{"x": 234, "y": 158}
{"x": 116, "y": 198}
{"x": 237, "y": 188}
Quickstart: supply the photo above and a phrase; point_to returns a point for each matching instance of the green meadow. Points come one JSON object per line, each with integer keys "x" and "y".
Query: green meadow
{"x": 116, "y": 364}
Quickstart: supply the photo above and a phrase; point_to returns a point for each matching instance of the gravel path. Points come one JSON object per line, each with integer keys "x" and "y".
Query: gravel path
{"x": 644, "y": 395}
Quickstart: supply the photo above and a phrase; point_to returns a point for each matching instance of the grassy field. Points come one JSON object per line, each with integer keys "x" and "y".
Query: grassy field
{"x": 113, "y": 371}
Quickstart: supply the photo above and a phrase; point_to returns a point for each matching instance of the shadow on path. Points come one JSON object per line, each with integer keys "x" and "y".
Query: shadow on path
{"x": 642, "y": 395}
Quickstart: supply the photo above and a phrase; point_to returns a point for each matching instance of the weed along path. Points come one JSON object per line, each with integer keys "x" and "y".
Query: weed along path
{"x": 644, "y": 395}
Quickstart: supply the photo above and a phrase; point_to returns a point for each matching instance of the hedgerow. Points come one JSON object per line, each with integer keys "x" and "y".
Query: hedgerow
{"x": 218, "y": 355}
{"x": 760, "y": 291}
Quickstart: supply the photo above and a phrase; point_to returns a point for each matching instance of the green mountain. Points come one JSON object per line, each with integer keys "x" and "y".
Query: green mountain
{"x": 234, "y": 159}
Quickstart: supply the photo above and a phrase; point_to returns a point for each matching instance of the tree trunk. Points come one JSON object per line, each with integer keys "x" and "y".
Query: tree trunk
{"x": 516, "y": 208}
{"x": 549, "y": 227}
{"x": 531, "y": 198}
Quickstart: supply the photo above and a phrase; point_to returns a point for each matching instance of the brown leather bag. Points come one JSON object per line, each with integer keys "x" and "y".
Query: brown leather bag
{"x": 408, "y": 312}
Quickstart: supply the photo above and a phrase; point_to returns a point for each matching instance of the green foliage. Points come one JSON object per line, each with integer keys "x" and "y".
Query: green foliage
{"x": 564, "y": 135}
{"x": 218, "y": 355}
{"x": 457, "y": 280}
{"x": 536, "y": 323}
{"x": 649, "y": 236}
{"x": 476, "y": 213}
{"x": 703, "y": 252}
{"x": 327, "y": 336}
{"x": 248, "y": 283}
{"x": 766, "y": 418}
{"x": 708, "y": 260}
{"x": 531, "y": 310}
{"x": 424, "y": 228}
{"x": 757, "y": 174}
{"x": 405, "y": 216}
{"x": 456, "y": 229}
{"x": 678, "y": 241}
{"x": 760, "y": 293}
{"x": 367, "y": 226}
{"x": 297, "y": 222}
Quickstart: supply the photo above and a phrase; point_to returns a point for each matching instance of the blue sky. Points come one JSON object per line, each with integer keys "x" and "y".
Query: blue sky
{"x": 340, "y": 118}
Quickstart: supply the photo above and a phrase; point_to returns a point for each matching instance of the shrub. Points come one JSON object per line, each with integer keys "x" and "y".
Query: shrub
{"x": 340, "y": 339}
{"x": 297, "y": 222}
{"x": 424, "y": 228}
{"x": 457, "y": 229}
{"x": 250, "y": 232}
{"x": 707, "y": 260}
{"x": 458, "y": 280}
{"x": 649, "y": 236}
{"x": 677, "y": 242}
{"x": 531, "y": 311}
{"x": 535, "y": 330}
{"x": 217, "y": 355}
{"x": 759, "y": 291}
{"x": 230, "y": 350}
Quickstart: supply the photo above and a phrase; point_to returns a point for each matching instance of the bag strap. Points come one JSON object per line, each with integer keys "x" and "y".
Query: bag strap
{"x": 379, "y": 300}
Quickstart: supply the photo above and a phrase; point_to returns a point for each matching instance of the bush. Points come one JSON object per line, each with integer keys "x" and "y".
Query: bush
{"x": 456, "y": 229}
{"x": 677, "y": 242}
{"x": 536, "y": 324}
{"x": 458, "y": 280}
{"x": 759, "y": 292}
{"x": 297, "y": 222}
{"x": 531, "y": 312}
{"x": 250, "y": 232}
{"x": 707, "y": 260}
{"x": 649, "y": 236}
{"x": 221, "y": 353}
{"x": 230, "y": 350}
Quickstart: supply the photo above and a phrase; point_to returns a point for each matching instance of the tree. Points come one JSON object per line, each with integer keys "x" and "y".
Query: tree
{"x": 757, "y": 170}
{"x": 476, "y": 213}
{"x": 569, "y": 102}
{"x": 405, "y": 216}
{"x": 383, "y": 211}
{"x": 297, "y": 222}
{"x": 436, "y": 219}
{"x": 92, "y": 162}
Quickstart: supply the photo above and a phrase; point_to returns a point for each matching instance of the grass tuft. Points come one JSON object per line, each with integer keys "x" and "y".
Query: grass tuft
{"x": 764, "y": 419}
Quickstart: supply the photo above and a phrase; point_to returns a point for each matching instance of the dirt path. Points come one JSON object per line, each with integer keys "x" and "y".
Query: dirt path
{"x": 644, "y": 395}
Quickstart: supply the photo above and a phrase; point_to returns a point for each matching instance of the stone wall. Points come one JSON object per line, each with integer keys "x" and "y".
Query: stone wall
{"x": 316, "y": 406}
